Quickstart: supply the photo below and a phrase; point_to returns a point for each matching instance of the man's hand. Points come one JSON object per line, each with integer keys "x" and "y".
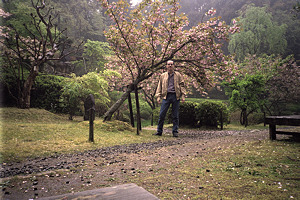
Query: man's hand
{"x": 158, "y": 101}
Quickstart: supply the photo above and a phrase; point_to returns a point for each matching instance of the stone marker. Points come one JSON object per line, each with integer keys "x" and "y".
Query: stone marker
{"x": 120, "y": 192}
{"x": 89, "y": 104}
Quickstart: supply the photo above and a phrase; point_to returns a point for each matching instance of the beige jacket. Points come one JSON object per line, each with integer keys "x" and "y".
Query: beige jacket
{"x": 161, "y": 91}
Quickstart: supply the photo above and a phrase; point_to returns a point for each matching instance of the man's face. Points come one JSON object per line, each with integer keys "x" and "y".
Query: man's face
{"x": 170, "y": 67}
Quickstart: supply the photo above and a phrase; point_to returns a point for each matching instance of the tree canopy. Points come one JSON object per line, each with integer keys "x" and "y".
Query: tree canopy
{"x": 259, "y": 35}
{"x": 145, "y": 38}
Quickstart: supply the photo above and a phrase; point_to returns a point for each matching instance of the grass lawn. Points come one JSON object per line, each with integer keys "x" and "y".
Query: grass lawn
{"x": 265, "y": 170}
{"x": 36, "y": 133}
{"x": 255, "y": 170}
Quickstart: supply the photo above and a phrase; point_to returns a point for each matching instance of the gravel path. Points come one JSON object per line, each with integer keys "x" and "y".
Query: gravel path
{"x": 69, "y": 161}
{"x": 67, "y": 173}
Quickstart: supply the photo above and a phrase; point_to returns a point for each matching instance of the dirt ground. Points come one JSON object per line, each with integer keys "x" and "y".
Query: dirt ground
{"x": 51, "y": 176}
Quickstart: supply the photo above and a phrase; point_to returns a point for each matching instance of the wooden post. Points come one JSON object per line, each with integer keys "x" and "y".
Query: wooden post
{"x": 130, "y": 110}
{"x": 91, "y": 135}
{"x": 138, "y": 115}
{"x": 221, "y": 120}
{"x": 264, "y": 118}
{"x": 272, "y": 131}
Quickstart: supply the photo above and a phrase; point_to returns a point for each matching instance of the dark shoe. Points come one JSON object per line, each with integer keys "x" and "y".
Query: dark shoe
{"x": 157, "y": 134}
{"x": 175, "y": 134}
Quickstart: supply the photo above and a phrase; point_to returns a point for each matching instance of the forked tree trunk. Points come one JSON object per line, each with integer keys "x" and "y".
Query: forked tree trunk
{"x": 24, "y": 99}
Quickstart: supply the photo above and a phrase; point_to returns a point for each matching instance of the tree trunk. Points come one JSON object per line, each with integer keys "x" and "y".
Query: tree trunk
{"x": 116, "y": 106}
{"x": 24, "y": 100}
{"x": 130, "y": 111}
{"x": 138, "y": 114}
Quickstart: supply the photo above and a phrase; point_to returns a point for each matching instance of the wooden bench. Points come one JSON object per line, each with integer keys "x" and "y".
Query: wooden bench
{"x": 292, "y": 120}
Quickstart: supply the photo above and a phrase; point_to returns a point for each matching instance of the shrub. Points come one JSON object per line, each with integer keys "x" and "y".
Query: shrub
{"x": 156, "y": 114}
{"x": 187, "y": 115}
{"x": 256, "y": 118}
{"x": 208, "y": 113}
{"x": 46, "y": 92}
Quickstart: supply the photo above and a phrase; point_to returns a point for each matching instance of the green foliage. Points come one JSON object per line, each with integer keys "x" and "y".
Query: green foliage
{"x": 193, "y": 114}
{"x": 260, "y": 34}
{"x": 210, "y": 113}
{"x": 20, "y": 15}
{"x": 145, "y": 109}
{"x": 187, "y": 114}
{"x": 83, "y": 19}
{"x": 256, "y": 118}
{"x": 281, "y": 77}
{"x": 76, "y": 89}
{"x": 246, "y": 94}
{"x": 46, "y": 92}
{"x": 9, "y": 85}
{"x": 24, "y": 19}
{"x": 94, "y": 57}
{"x": 156, "y": 115}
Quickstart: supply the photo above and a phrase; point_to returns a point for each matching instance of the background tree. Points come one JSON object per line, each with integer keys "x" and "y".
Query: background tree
{"x": 94, "y": 57}
{"x": 282, "y": 80}
{"x": 76, "y": 89}
{"x": 259, "y": 35}
{"x": 150, "y": 35}
{"x": 82, "y": 19}
{"x": 283, "y": 12}
{"x": 26, "y": 55}
{"x": 246, "y": 94}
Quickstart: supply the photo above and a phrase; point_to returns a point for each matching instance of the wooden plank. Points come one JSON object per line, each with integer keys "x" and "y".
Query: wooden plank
{"x": 120, "y": 192}
{"x": 287, "y": 133}
{"x": 291, "y": 120}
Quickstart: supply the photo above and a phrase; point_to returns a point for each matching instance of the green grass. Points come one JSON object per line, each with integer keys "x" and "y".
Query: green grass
{"x": 36, "y": 133}
{"x": 266, "y": 170}
{"x": 260, "y": 169}
{"x": 199, "y": 100}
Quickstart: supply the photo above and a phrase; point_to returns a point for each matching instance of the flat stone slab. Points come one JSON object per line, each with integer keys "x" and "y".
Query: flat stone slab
{"x": 120, "y": 192}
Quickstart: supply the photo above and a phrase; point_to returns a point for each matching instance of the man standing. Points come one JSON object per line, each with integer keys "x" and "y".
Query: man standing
{"x": 170, "y": 90}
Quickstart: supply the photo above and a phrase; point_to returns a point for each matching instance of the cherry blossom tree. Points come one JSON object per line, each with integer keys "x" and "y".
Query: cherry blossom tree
{"x": 282, "y": 80}
{"x": 145, "y": 38}
{"x": 26, "y": 55}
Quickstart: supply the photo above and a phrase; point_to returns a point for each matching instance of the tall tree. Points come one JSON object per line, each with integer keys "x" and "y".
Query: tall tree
{"x": 26, "y": 55}
{"x": 153, "y": 33}
{"x": 82, "y": 19}
{"x": 259, "y": 34}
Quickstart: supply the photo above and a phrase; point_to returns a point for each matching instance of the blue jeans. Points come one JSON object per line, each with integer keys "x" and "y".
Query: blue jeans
{"x": 171, "y": 99}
